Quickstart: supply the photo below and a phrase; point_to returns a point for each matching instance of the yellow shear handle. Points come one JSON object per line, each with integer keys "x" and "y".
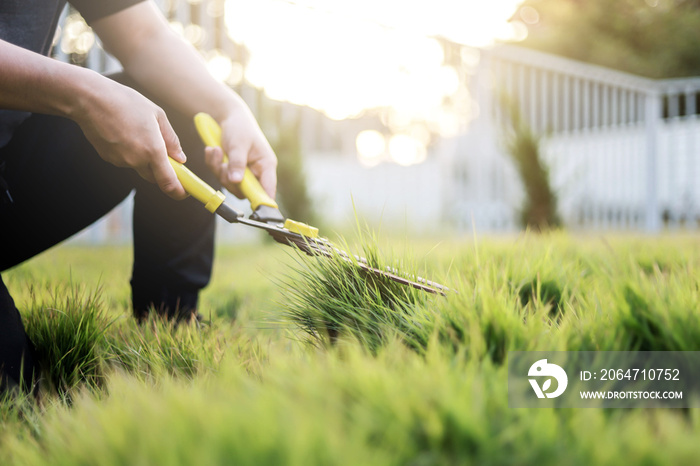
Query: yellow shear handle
{"x": 197, "y": 188}
{"x": 210, "y": 132}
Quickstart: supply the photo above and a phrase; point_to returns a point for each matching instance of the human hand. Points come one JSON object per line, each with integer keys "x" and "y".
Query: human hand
{"x": 246, "y": 146}
{"x": 128, "y": 130}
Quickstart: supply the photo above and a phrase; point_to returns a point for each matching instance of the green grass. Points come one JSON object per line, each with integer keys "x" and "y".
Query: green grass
{"x": 68, "y": 330}
{"x": 332, "y": 298}
{"x": 392, "y": 377}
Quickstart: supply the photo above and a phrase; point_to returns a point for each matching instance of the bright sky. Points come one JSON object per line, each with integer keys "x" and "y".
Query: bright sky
{"x": 343, "y": 56}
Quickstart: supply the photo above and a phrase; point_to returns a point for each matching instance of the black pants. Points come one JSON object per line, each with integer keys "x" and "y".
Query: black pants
{"x": 59, "y": 185}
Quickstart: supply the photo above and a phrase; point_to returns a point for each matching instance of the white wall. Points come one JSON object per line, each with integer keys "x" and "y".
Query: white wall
{"x": 398, "y": 197}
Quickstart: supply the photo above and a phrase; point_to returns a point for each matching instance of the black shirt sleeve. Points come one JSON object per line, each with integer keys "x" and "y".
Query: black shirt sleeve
{"x": 93, "y": 10}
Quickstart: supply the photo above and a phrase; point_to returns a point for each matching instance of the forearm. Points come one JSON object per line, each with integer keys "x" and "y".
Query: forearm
{"x": 35, "y": 83}
{"x": 166, "y": 66}
{"x": 187, "y": 85}
{"x": 125, "y": 128}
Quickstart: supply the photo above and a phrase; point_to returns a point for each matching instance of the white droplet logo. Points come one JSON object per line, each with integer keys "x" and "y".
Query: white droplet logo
{"x": 543, "y": 369}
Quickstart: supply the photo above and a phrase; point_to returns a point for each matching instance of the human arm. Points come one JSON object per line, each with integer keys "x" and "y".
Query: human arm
{"x": 173, "y": 71}
{"x": 125, "y": 128}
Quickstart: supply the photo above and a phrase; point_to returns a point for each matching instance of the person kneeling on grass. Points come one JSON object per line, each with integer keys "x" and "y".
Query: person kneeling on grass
{"x": 74, "y": 144}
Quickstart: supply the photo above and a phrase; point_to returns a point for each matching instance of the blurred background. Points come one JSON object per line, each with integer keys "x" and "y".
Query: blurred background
{"x": 455, "y": 115}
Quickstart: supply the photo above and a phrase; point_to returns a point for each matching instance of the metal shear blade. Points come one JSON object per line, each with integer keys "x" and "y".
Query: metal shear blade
{"x": 323, "y": 247}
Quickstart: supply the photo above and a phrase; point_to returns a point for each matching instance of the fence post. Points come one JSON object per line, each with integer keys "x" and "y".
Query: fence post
{"x": 652, "y": 119}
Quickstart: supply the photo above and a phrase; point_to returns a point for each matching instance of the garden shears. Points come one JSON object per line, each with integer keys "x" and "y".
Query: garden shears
{"x": 267, "y": 216}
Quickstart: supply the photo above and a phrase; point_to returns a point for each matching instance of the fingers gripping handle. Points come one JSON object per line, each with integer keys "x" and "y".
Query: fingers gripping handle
{"x": 210, "y": 132}
{"x": 197, "y": 188}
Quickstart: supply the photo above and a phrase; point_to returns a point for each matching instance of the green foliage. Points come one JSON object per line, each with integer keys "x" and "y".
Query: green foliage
{"x": 160, "y": 346}
{"x": 343, "y": 407}
{"x": 73, "y": 347}
{"x": 68, "y": 331}
{"x": 242, "y": 392}
{"x": 539, "y": 210}
{"x": 547, "y": 292}
{"x": 648, "y": 325}
{"x": 330, "y": 298}
{"x": 657, "y": 39}
{"x": 229, "y": 306}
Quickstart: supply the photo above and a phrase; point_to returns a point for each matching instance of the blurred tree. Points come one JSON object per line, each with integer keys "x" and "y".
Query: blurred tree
{"x": 653, "y": 38}
{"x": 539, "y": 208}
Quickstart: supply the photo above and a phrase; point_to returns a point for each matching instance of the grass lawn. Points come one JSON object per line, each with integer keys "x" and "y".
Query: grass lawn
{"x": 302, "y": 363}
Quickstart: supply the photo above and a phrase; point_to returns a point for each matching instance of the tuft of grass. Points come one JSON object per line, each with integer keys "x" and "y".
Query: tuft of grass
{"x": 229, "y": 306}
{"x": 20, "y": 411}
{"x": 162, "y": 347}
{"x": 546, "y": 292}
{"x": 647, "y": 325}
{"x": 329, "y": 298}
{"x": 68, "y": 331}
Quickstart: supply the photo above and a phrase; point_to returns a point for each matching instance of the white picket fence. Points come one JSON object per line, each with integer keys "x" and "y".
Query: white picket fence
{"x": 622, "y": 150}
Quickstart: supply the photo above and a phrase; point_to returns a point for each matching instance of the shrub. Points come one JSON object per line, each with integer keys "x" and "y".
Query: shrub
{"x": 539, "y": 209}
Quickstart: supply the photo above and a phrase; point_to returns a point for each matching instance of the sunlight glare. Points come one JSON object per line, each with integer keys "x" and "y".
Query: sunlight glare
{"x": 406, "y": 150}
{"x": 219, "y": 65}
{"x": 344, "y": 57}
{"x": 370, "y": 144}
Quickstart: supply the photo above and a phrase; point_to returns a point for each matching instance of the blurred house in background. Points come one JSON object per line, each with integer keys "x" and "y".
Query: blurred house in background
{"x": 622, "y": 150}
